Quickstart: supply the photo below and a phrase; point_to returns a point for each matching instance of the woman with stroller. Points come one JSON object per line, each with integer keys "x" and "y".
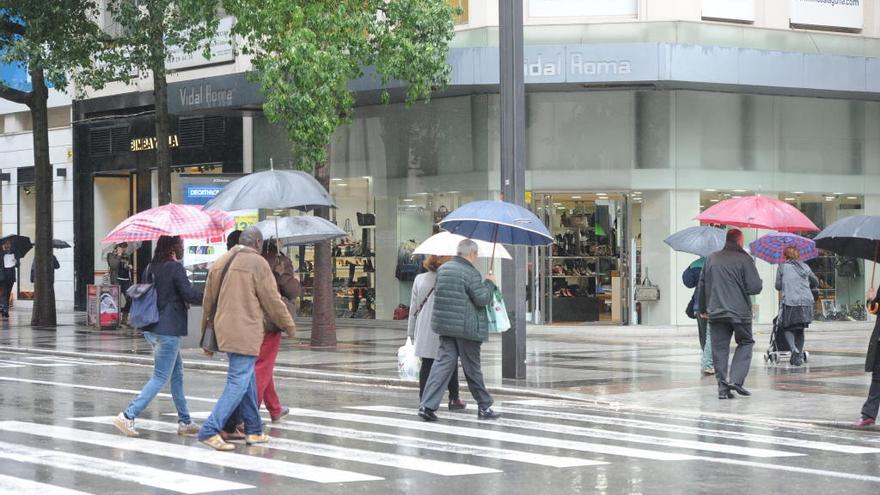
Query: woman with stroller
{"x": 796, "y": 281}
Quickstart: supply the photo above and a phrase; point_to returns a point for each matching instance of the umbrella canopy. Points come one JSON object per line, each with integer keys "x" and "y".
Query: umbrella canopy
{"x": 759, "y": 212}
{"x": 59, "y": 244}
{"x": 497, "y": 221}
{"x": 20, "y": 244}
{"x": 857, "y": 236}
{"x": 272, "y": 189}
{"x": 770, "y": 247}
{"x": 446, "y": 244}
{"x": 186, "y": 221}
{"x": 700, "y": 240}
{"x": 300, "y": 230}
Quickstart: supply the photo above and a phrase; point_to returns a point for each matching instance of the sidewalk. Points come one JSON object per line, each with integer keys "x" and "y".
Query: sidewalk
{"x": 640, "y": 367}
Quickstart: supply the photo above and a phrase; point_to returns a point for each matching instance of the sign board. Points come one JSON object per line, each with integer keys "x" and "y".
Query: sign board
{"x": 583, "y": 8}
{"x": 221, "y": 50}
{"x": 845, "y": 14}
{"x": 200, "y": 194}
{"x": 91, "y": 305}
{"x": 226, "y": 91}
{"x": 108, "y": 306}
{"x": 733, "y": 10}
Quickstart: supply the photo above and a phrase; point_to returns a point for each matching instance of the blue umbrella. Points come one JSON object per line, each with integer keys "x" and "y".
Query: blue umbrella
{"x": 497, "y": 221}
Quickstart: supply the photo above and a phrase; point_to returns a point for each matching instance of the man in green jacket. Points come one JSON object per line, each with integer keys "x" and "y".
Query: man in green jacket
{"x": 459, "y": 317}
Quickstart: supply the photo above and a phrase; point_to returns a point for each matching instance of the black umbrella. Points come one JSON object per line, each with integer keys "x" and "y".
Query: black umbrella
{"x": 59, "y": 244}
{"x": 20, "y": 244}
{"x": 857, "y": 236}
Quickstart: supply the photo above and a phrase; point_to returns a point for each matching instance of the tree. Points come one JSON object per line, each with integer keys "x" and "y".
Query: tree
{"x": 145, "y": 32}
{"x": 305, "y": 52}
{"x": 50, "y": 39}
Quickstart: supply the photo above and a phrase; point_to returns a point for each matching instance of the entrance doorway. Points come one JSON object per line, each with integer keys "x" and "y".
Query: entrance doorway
{"x": 114, "y": 202}
{"x": 582, "y": 276}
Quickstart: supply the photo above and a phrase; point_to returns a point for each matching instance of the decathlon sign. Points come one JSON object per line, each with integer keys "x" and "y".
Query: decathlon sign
{"x": 201, "y": 194}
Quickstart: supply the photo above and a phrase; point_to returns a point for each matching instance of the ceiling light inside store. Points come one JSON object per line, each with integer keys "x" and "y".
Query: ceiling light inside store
{"x": 408, "y": 200}
{"x": 739, "y": 190}
{"x": 341, "y": 184}
{"x": 791, "y": 199}
{"x": 798, "y": 192}
{"x": 829, "y": 198}
{"x": 336, "y": 180}
{"x": 710, "y": 190}
{"x": 637, "y": 192}
{"x": 366, "y": 177}
{"x": 736, "y": 196}
{"x": 852, "y": 197}
{"x": 714, "y": 200}
{"x": 453, "y": 192}
{"x": 837, "y": 194}
{"x": 422, "y": 194}
{"x": 576, "y": 197}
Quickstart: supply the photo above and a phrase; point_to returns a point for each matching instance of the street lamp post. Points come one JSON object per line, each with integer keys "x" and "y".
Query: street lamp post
{"x": 513, "y": 116}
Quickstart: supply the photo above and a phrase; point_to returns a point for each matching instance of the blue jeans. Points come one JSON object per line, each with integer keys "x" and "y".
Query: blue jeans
{"x": 166, "y": 364}
{"x": 239, "y": 396}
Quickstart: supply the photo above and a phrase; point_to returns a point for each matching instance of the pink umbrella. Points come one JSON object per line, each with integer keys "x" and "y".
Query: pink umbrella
{"x": 759, "y": 212}
{"x": 188, "y": 222}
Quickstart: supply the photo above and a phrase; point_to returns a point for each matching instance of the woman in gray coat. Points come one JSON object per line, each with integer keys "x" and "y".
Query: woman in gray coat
{"x": 418, "y": 328}
{"x": 796, "y": 281}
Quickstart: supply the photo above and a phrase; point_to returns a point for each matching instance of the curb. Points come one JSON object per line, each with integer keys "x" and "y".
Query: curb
{"x": 287, "y": 372}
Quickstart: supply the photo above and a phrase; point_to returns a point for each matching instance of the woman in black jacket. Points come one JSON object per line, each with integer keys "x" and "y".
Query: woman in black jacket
{"x": 872, "y": 365}
{"x": 173, "y": 292}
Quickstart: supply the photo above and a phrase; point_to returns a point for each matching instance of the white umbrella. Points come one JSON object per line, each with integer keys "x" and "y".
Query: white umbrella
{"x": 305, "y": 229}
{"x": 446, "y": 243}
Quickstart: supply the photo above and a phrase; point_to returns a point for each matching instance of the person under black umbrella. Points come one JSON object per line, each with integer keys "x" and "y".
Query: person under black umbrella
{"x": 9, "y": 264}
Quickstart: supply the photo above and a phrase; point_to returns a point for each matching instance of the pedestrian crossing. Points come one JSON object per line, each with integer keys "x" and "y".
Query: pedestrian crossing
{"x": 371, "y": 443}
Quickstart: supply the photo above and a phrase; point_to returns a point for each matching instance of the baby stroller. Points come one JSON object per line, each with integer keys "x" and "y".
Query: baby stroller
{"x": 779, "y": 348}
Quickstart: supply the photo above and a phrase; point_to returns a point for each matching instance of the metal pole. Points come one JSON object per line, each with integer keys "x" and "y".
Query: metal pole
{"x": 513, "y": 106}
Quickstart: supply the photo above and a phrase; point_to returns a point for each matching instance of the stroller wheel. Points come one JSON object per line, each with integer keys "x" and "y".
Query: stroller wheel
{"x": 806, "y": 356}
{"x": 766, "y": 357}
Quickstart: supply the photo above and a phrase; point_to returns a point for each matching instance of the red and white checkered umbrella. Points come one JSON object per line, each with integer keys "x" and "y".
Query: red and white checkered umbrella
{"x": 186, "y": 221}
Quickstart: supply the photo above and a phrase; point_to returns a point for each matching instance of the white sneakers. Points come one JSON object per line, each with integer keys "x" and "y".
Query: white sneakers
{"x": 190, "y": 429}
{"x": 125, "y": 425}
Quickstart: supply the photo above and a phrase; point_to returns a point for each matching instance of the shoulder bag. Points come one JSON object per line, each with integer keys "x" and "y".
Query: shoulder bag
{"x": 144, "y": 305}
{"x": 424, "y": 301}
{"x": 209, "y": 337}
{"x": 647, "y": 291}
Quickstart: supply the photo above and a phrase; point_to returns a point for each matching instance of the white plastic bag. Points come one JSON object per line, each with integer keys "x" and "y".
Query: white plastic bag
{"x": 407, "y": 362}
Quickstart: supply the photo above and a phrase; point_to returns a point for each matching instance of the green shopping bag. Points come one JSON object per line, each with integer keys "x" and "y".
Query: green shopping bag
{"x": 496, "y": 312}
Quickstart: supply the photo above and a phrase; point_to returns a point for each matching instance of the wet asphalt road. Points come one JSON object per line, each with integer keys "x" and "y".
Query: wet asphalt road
{"x": 344, "y": 439}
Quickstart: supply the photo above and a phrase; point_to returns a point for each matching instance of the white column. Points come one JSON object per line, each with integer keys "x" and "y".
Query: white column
{"x": 247, "y": 144}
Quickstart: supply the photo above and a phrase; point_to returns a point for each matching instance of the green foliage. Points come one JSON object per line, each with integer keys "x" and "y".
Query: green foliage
{"x": 57, "y": 35}
{"x": 143, "y": 31}
{"x": 305, "y": 53}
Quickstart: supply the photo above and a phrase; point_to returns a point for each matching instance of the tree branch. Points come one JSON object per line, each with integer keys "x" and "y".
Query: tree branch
{"x": 16, "y": 96}
{"x": 9, "y": 27}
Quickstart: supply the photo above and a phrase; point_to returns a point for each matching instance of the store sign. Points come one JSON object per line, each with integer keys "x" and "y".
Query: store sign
{"x": 847, "y": 14}
{"x": 221, "y": 50}
{"x": 583, "y": 8}
{"x": 734, "y": 10}
{"x": 150, "y": 143}
{"x": 201, "y": 194}
{"x": 232, "y": 90}
{"x": 559, "y": 65}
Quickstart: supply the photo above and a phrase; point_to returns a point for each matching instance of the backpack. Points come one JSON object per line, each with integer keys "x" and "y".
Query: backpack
{"x": 144, "y": 306}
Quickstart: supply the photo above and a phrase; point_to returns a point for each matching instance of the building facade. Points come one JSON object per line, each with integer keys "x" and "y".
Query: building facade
{"x": 640, "y": 113}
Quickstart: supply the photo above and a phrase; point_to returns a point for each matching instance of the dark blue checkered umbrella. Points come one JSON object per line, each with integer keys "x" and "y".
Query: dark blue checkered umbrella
{"x": 771, "y": 247}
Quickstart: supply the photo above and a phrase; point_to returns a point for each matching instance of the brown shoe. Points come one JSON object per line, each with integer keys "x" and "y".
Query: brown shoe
{"x": 236, "y": 435}
{"x": 257, "y": 438}
{"x": 284, "y": 412}
{"x": 217, "y": 443}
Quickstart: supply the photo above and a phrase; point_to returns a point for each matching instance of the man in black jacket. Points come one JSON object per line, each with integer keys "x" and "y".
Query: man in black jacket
{"x": 728, "y": 280}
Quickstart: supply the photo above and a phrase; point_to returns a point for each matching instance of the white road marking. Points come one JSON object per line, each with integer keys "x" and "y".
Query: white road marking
{"x": 673, "y": 428}
{"x": 439, "y": 446}
{"x": 120, "y": 471}
{"x": 335, "y": 452}
{"x": 9, "y": 484}
{"x": 603, "y": 434}
{"x": 501, "y": 436}
{"x": 801, "y": 470}
{"x": 96, "y": 388}
{"x": 43, "y": 365}
{"x": 193, "y": 454}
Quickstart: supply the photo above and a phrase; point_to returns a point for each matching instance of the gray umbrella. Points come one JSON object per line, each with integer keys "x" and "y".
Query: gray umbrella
{"x": 702, "y": 240}
{"x": 299, "y": 230}
{"x": 857, "y": 236}
{"x": 272, "y": 189}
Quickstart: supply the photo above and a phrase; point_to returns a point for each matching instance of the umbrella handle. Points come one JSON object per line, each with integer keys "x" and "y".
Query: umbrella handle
{"x": 494, "y": 244}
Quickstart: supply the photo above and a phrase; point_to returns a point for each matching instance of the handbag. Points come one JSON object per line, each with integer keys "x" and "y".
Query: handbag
{"x": 689, "y": 310}
{"x": 647, "y": 291}
{"x": 209, "y": 336}
{"x": 144, "y": 305}
{"x": 496, "y": 313}
{"x": 401, "y": 312}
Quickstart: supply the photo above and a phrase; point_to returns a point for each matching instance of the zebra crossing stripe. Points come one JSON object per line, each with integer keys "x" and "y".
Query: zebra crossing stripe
{"x": 9, "y": 484}
{"x": 94, "y": 388}
{"x": 603, "y": 434}
{"x": 501, "y": 436}
{"x": 673, "y": 428}
{"x": 120, "y": 471}
{"x": 438, "y": 446}
{"x": 335, "y": 452}
{"x": 194, "y": 454}
{"x": 428, "y": 444}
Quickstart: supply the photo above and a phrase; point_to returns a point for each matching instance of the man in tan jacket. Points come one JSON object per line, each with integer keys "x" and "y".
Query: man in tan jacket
{"x": 238, "y": 304}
